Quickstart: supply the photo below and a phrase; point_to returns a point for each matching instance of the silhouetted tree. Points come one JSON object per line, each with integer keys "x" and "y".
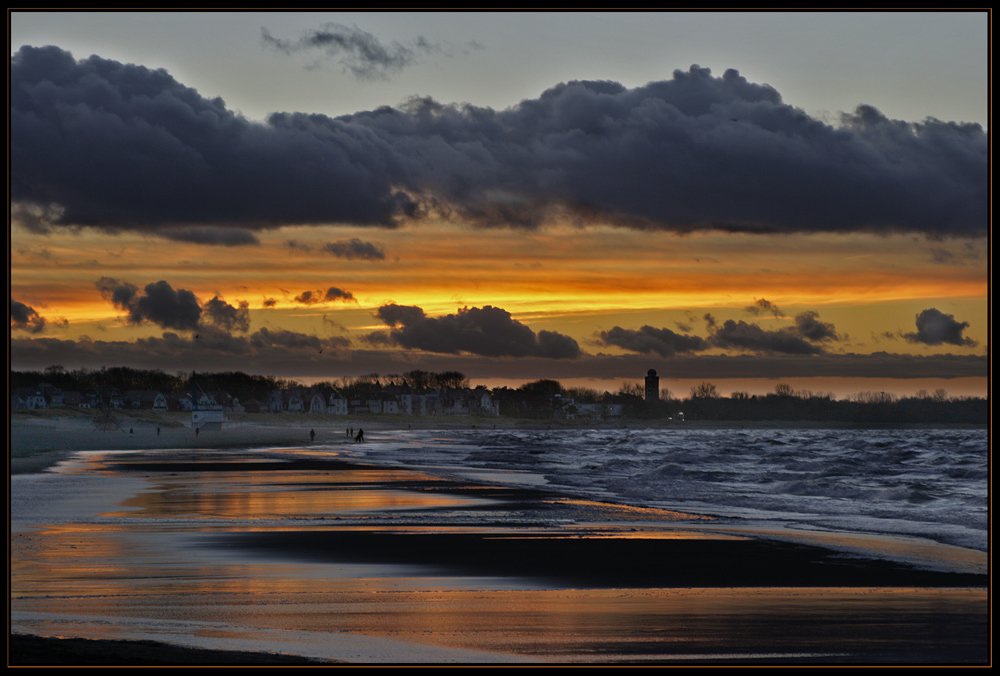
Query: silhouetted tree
{"x": 704, "y": 391}
{"x": 783, "y": 390}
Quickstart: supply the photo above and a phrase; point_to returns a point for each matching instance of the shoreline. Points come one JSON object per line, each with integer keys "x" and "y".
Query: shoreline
{"x": 40, "y": 440}
{"x": 464, "y": 574}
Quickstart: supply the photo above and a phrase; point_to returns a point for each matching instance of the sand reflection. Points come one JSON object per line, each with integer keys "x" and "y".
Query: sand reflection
{"x": 387, "y": 565}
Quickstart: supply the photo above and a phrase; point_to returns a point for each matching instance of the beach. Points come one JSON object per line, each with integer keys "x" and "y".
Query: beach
{"x": 256, "y": 540}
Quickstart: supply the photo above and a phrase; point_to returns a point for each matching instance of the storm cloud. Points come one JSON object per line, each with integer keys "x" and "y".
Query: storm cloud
{"x": 800, "y": 339}
{"x": 751, "y": 337}
{"x": 159, "y": 303}
{"x": 328, "y": 296}
{"x": 228, "y": 317}
{"x": 811, "y": 328}
{"x": 211, "y": 236}
{"x": 123, "y": 146}
{"x": 937, "y": 328}
{"x": 179, "y": 309}
{"x": 25, "y": 318}
{"x": 648, "y": 339}
{"x": 352, "y": 249}
{"x": 357, "y": 51}
{"x": 487, "y": 331}
{"x": 100, "y": 143}
{"x": 763, "y": 306}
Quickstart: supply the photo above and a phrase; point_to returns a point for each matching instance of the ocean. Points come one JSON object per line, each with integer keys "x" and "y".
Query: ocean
{"x": 553, "y": 546}
{"x": 926, "y": 483}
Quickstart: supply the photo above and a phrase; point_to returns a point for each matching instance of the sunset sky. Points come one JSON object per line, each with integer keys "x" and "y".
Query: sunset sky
{"x": 738, "y": 198}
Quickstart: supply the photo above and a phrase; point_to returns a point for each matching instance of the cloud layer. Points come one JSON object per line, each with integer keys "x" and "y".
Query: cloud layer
{"x": 487, "y": 331}
{"x": 100, "y": 143}
{"x": 805, "y": 338}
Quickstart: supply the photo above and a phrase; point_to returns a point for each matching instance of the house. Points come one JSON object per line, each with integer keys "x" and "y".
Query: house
{"x": 294, "y": 401}
{"x": 338, "y": 404}
{"x": 30, "y": 397}
{"x": 287, "y": 401}
{"x": 276, "y": 401}
{"x": 315, "y": 402}
{"x": 228, "y": 403}
{"x": 146, "y": 399}
{"x": 390, "y": 404}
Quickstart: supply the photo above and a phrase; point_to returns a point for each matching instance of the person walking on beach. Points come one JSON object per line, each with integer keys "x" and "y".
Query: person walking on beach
{"x": 361, "y": 435}
{"x": 312, "y": 436}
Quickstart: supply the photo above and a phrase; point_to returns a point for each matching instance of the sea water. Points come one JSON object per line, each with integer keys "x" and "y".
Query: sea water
{"x": 928, "y": 483}
{"x": 119, "y": 554}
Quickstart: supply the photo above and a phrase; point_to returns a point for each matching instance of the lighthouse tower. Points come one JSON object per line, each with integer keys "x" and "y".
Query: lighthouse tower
{"x": 652, "y": 386}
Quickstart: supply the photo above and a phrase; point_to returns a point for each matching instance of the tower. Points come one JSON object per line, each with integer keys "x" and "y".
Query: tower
{"x": 652, "y": 386}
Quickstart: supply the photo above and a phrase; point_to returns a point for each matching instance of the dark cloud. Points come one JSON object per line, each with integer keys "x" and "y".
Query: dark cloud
{"x": 297, "y": 355}
{"x": 104, "y": 144}
{"x": 648, "y": 339}
{"x": 740, "y": 335}
{"x": 333, "y": 293}
{"x": 266, "y": 338}
{"x": 211, "y": 236}
{"x": 159, "y": 304}
{"x": 743, "y": 336}
{"x": 309, "y": 297}
{"x": 936, "y": 328}
{"x": 488, "y": 331}
{"x": 355, "y": 50}
{"x": 212, "y": 349}
{"x": 763, "y": 306}
{"x": 25, "y": 318}
{"x": 116, "y": 145}
{"x": 120, "y": 294}
{"x": 811, "y": 328}
{"x": 228, "y": 317}
{"x": 353, "y": 249}
{"x": 328, "y": 296}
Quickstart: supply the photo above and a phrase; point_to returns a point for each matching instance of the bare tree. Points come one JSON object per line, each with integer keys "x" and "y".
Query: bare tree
{"x": 783, "y": 390}
{"x": 704, "y": 391}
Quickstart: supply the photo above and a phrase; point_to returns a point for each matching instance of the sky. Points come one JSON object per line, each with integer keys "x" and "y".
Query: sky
{"x": 740, "y": 198}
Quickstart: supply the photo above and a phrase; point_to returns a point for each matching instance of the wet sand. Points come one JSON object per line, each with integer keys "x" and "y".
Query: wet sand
{"x": 308, "y": 554}
{"x": 26, "y": 650}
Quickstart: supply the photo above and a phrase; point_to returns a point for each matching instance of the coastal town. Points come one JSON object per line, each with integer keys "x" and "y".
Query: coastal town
{"x": 214, "y": 398}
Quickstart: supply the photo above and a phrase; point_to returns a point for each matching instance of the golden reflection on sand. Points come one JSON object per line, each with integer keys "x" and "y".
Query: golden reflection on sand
{"x": 633, "y": 512}
{"x": 259, "y": 495}
{"x": 157, "y": 561}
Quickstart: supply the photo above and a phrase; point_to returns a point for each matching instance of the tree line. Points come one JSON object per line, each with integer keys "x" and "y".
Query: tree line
{"x": 543, "y": 399}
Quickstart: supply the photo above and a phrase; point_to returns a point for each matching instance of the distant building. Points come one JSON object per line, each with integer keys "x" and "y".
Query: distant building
{"x": 652, "y": 386}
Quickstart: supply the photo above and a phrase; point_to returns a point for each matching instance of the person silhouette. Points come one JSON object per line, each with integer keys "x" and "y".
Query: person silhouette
{"x": 361, "y": 435}
{"x": 312, "y": 435}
